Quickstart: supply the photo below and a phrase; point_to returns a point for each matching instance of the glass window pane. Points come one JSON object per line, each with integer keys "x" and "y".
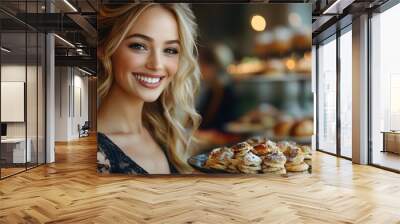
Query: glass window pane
{"x": 31, "y": 97}
{"x": 327, "y": 97}
{"x": 13, "y": 87}
{"x": 22, "y": 84}
{"x": 385, "y": 88}
{"x": 41, "y": 98}
{"x": 346, "y": 94}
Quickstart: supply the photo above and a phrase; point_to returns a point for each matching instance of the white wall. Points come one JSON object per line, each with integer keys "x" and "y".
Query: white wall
{"x": 80, "y": 102}
{"x": 61, "y": 103}
{"x": 71, "y": 93}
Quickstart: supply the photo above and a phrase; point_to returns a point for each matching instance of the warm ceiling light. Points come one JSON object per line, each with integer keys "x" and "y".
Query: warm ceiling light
{"x": 290, "y": 64}
{"x": 70, "y": 5}
{"x": 294, "y": 20}
{"x": 5, "y": 49}
{"x": 65, "y": 41}
{"x": 258, "y": 23}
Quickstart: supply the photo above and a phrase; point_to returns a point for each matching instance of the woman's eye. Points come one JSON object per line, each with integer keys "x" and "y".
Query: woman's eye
{"x": 171, "y": 51}
{"x": 137, "y": 46}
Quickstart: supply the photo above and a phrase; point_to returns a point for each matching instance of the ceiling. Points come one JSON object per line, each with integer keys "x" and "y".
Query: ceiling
{"x": 79, "y": 27}
{"x": 76, "y": 26}
{"x": 328, "y": 13}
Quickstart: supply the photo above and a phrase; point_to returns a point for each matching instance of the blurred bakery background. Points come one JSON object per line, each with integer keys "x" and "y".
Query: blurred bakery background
{"x": 256, "y": 72}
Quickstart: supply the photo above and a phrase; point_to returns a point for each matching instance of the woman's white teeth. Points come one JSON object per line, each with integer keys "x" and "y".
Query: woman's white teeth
{"x": 147, "y": 79}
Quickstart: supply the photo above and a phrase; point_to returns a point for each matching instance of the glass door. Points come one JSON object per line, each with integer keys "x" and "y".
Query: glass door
{"x": 22, "y": 88}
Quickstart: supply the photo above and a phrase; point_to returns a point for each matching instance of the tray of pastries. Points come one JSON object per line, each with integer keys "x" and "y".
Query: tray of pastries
{"x": 254, "y": 156}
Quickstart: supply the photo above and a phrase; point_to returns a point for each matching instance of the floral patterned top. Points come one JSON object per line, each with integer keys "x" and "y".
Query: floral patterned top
{"x": 111, "y": 159}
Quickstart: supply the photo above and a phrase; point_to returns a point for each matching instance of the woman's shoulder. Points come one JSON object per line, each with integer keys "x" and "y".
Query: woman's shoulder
{"x": 103, "y": 158}
{"x": 111, "y": 159}
{"x": 103, "y": 163}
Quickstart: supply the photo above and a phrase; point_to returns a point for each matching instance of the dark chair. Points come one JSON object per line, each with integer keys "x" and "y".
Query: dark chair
{"x": 84, "y": 130}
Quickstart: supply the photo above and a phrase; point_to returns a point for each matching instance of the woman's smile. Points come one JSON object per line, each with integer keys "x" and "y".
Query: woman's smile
{"x": 150, "y": 81}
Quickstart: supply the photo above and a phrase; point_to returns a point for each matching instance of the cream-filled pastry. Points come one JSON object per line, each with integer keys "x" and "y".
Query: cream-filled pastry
{"x": 272, "y": 146}
{"x": 295, "y": 160}
{"x": 260, "y": 150}
{"x": 275, "y": 158}
{"x": 296, "y": 167}
{"x": 241, "y": 149}
{"x": 233, "y": 166}
{"x": 294, "y": 155}
{"x": 219, "y": 158}
{"x": 250, "y": 163}
{"x": 284, "y": 145}
{"x": 274, "y": 162}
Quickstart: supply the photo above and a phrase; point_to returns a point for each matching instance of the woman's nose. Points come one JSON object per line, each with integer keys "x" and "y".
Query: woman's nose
{"x": 154, "y": 61}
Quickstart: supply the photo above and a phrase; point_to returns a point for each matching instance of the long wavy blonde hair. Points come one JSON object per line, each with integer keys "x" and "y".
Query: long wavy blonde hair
{"x": 171, "y": 119}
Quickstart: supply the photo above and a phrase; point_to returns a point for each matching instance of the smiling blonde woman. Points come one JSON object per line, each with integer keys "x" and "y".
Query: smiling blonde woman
{"x": 147, "y": 79}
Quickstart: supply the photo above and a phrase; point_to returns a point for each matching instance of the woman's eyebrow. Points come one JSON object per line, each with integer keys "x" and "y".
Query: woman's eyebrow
{"x": 172, "y": 42}
{"x": 140, "y": 36}
{"x": 150, "y": 39}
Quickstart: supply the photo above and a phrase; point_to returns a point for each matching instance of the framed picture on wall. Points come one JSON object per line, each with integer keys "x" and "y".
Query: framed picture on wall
{"x": 12, "y": 101}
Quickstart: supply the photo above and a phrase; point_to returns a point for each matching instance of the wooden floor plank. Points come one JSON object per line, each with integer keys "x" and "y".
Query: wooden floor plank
{"x": 71, "y": 191}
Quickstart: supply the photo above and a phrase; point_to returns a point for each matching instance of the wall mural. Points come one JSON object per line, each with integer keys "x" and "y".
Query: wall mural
{"x": 204, "y": 88}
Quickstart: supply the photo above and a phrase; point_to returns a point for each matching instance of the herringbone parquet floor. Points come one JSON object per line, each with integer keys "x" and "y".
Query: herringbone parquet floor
{"x": 70, "y": 191}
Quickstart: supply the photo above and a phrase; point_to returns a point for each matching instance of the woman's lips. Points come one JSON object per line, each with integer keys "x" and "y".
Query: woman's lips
{"x": 148, "y": 81}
